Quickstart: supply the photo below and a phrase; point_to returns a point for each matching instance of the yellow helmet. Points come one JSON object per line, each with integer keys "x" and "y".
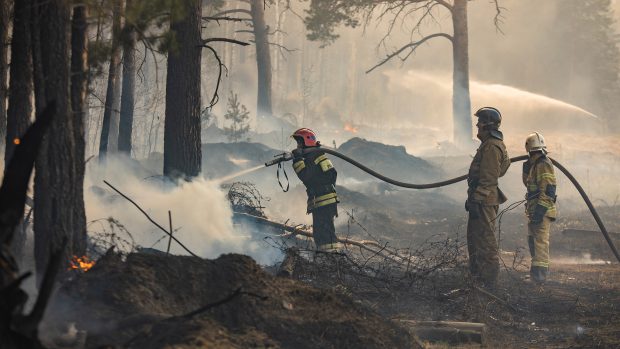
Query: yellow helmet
{"x": 535, "y": 142}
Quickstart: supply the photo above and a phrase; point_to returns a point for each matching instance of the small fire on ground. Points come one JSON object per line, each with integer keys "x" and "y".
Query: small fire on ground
{"x": 81, "y": 263}
{"x": 350, "y": 128}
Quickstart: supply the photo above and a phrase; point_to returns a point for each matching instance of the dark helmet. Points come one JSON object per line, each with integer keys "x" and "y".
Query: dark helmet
{"x": 488, "y": 116}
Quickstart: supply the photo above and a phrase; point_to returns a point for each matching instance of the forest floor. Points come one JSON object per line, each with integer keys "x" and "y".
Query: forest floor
{"x": 155, "y": 301}
{"x": 351, "y": 300}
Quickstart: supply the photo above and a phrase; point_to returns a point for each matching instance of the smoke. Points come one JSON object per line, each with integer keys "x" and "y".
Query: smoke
{"x": 200, "y": 211}
{"x": 586, "y": 258}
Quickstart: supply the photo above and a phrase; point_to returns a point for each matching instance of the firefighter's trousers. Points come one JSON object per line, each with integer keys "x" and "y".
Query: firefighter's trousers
{"x": 482, "y": 246}
{"x": 538, "y": 242}
{"x": 323, "y": 227}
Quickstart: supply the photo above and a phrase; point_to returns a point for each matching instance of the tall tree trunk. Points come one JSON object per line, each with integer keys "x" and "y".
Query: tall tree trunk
{"x": 57, "y": 183}
{"x": 37, "y": 62}
{"x": 20, "y": 88}
{"x": 263, "y": 58}
{"x": 5, "y": 17}
{"x": 129, "y": 85}
{"x": 461, "y": 103}
{"x": 79, "y": 88}
{"x": 109, "y": 128}
{"x": 182, "y": 148}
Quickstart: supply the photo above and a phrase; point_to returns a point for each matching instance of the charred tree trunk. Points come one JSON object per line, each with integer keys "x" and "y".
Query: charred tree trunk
{"x": 5, "y": 16}
{"x": 129, "y": 85}
{"x": 263, "y": 58}
{"x": 79, "y": 88}
{"x": 182, "y": 149}
{"x": 20, "y": 87}
{"x": 37, "y": 63}
{"x": 20, "y": 93}
{"x": 461, "y": 103}
{"x": 109, "y": 128}
{"x": 58, "y": 186}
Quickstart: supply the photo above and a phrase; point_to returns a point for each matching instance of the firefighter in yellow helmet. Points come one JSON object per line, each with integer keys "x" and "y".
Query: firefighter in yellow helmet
{"x": 539, "y": 179}
{"x": 484, "y": 197}
{"x": 318, "y": 174}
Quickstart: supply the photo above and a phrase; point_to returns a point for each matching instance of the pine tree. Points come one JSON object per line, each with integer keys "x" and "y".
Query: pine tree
{"x": 238, "y": 115}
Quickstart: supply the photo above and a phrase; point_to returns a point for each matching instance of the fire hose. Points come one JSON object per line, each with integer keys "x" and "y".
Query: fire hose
{"x": 288, "y": 156}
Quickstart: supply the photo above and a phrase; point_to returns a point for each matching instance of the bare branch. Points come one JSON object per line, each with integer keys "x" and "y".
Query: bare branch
{"x": 225, "y": 18}
{"x": 411, "y": 46}
{"x": 227, "y": 12}
{"x": 498, "y": 20}
{"x": 232, "y": 41}
{"x": 282, "y": 48}
{"x": 221, "y": 66}
{"x": 149, "y": 218}
{"x": 444, "y": 4}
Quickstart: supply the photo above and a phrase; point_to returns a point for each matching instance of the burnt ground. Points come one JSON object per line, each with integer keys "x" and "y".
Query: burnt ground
{"x": 334, "y": 301}
{"x": 352, "y": 302}
{"x": 158, "y": 301}
{"x": 577, "y": 307}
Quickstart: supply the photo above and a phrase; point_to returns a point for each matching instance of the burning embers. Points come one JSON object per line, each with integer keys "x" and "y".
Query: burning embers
{"x": 350, "y": 128}
{"x": 81, "y": 263}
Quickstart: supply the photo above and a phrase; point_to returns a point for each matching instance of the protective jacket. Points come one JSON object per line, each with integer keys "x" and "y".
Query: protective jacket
{"x": 539, "y": 179}
{"x": 318, "y": 174}
{"x": 490, "y": 162}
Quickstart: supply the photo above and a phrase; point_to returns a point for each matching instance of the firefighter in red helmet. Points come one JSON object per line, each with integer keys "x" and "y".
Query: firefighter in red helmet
{"x": 318, "y": 174}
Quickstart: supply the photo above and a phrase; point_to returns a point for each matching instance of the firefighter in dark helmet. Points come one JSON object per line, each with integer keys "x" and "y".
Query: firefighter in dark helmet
{"x": 484, "y": 197}
{"x": 318, "y": 174}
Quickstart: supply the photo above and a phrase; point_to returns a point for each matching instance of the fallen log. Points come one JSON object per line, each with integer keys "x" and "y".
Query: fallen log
{"x": 450, "y": 332}
{"x": 382, "y": 251}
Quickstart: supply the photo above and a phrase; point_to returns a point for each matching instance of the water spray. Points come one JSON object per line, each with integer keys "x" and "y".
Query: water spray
{"x": 288, "y": 156}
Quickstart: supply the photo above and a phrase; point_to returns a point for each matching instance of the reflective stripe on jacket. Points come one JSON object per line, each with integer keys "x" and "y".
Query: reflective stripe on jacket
{"x": 540, "y": 181}
{"x": 318, "y": 174}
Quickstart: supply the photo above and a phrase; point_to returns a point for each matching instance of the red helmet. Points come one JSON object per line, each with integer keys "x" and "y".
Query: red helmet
{"x": 307, "y": 135}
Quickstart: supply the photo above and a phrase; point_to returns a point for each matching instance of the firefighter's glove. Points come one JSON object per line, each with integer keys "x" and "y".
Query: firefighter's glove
{"x": 539, "y": 214}
{"x": 298, "y": 154}
{"x": 474, "y": 208}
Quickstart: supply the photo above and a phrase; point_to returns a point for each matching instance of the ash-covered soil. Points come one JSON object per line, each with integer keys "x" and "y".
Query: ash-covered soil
{"x": 576, "y": 308}
{"x": 155, "y": 301}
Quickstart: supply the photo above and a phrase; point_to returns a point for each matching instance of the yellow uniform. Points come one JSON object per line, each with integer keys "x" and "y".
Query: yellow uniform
{"x": 540, "y": 181}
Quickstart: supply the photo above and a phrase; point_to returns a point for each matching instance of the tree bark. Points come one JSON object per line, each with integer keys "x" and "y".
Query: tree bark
{"x": 59, "y": 213}
{"x": 20, "y": 87}
{"x": 37, "y": 63}
{"x": 129, "y": 85}
{"x": 461, "y": 103}
{"x": 5, "y": 17}
{"x": 109, "y": 129}
{"x": 79, "y": 89}
{"x": 182, "y": 148}
{"x": 263, "y": 58}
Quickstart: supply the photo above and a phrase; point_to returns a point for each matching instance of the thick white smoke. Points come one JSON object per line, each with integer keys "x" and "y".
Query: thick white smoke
{"x": 200, "y": 211}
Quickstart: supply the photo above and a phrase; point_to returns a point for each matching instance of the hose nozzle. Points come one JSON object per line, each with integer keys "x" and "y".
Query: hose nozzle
{"x": 279, "y": 158}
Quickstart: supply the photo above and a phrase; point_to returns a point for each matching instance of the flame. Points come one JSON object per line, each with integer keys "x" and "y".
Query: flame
{"x": 81, "y": 263}
{"x": 350, "y": 128}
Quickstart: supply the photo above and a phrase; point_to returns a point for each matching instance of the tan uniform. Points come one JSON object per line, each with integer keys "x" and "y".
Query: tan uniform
{"x": 539, "y": 179}
{"x": 483, "y": 200}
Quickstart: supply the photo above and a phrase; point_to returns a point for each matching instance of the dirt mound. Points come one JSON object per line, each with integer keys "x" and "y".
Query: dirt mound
{"x": 150, "y": 301}
{"x": 389, "y": 160}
